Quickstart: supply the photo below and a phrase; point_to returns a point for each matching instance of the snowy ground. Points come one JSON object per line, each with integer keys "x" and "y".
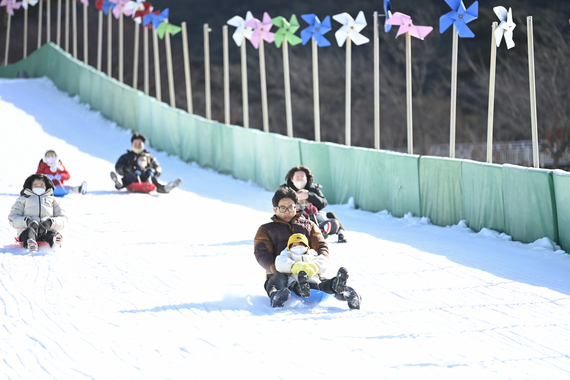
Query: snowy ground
{"x": 167, "y": 287}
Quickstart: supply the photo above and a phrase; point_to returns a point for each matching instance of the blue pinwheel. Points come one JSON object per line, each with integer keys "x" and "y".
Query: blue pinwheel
{"x": 106, "y": 6}
{"x": 316, "y": 29}
{"x": 460, "y": 17}
{"x": 156, "y": 18}
{"x": 387, "y": 14}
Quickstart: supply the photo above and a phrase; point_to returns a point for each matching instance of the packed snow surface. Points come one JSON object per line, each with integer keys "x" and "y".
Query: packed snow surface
{"x": 167, "y": 286}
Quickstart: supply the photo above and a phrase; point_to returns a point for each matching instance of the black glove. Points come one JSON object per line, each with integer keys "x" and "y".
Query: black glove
{"x": 45, "y": 226}
{"x": 33, "y": 224}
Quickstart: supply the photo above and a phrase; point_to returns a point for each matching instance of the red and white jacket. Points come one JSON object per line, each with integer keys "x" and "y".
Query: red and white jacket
{"x": 57, "y": 172}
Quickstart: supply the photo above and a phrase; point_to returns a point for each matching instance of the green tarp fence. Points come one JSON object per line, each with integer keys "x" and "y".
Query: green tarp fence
{"x": 526, "y": 203}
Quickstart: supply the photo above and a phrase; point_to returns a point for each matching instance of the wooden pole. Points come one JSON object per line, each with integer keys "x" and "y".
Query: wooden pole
{"x": 58, "y": 33}
{"x": 316, "y": 101}
{"x": 453, "y": 93}
{"x": 207, "y": 71}
{"x": 157, "y": 84}
{"x": 74, "y": 15}
{"x": 48, "y": 21}
{"x": 409, "y": 93}
{"x": 244, "y": 92}
{"x": 226, "y": 74}
{"x": 121, "y": 41}
{"x": 40, "y": 17}
{"x": 136, "y": 56}
{"x": 491, "y": 112}
{"x": 532, "y": 82}
{"x": 288, "y": 112}
{"x": 8, "y": 25}
{"x": 188, "y": 80}
{"x": 376, "y": 84}
{"x": 85, "y": 35}
{"x": 347, "y": 108}
{"x": 67, "y": 26}
{"x": 171, "y": 92}
{"x": 263, "y": 81}
{"x": 146, "y": 62}
{"x": 100, "y": 41}
{"x": 109, "y": 43}
{"x": 25, "y": 32}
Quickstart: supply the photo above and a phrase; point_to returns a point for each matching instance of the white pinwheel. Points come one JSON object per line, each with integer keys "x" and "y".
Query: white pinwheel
{"x": 25, "y": 3}
{"x": 506, "y": 26}
{"x": 350, "y": 28}
{"x": 241, "y": 30}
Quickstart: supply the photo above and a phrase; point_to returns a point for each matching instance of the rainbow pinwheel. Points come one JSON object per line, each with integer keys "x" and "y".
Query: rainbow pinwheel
{"x": 241, "y": 31}
{"x": 25, "y": 3}
{"x": 10, "y": 6}
{"x": 139, "y": 13}
{"x": 166, "y": 26}
{"x": 260, "y": 30}
{"x": 350, "y": 28}
{"x": 316, "y": 30}
{"x": 506, "y": 26}
{"x": 387, "y": 14}
{"x": 406, "y": 25}
{"x": 460, "y": 17}
{"x": 286, "y": 30}
{"x": 155, "y": 18}
{"x": 121, "y": 7}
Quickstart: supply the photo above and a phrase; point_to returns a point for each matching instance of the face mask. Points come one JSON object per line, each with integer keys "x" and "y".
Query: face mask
{"x": 299, "y": 249}
{"x": 300, "y": 184}
{"x": 142, "y": 164}
{"x": 137, "y": 151}
{"x": 38, "y": 190}
{"x": 50, "y": 160}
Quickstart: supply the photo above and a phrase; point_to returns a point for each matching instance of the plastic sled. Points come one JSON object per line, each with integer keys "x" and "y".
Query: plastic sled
{"x": 20, "y": 244}
{"x": 315, "y": 298}
{"x": 141, "y": 187}
{"x": 61, "y": 191}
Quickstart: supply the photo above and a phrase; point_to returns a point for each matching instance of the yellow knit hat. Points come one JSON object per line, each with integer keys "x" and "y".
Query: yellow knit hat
{"x": 300, "y": 238}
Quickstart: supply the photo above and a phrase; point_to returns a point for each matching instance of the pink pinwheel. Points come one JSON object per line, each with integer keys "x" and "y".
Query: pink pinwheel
{"x": 10, "y": 6}
{"x": 406, "y": 25}
{"x": 121, "y": 7}
{"x": 261, "y": 30}
{"x": 85, "y": 2}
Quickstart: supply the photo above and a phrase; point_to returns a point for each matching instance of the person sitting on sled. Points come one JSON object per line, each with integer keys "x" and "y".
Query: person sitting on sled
{"x": 37, "y": 214}
{"x": 320, "y": 218}
{"x": 128, "y": 167}
{"x": 53, "y": 168}
{"x": 272, "y": 238}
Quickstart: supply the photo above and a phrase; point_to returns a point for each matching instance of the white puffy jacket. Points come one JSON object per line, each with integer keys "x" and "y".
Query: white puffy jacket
{"x": 37, "y": 207}
{"x": 286, "y": 259}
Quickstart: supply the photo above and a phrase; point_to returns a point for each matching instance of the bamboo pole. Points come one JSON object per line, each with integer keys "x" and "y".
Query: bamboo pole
{"x": 171, "y": 92}
{"x": 100, "y": 42}
{"x": 532, "y": 82}
{"x": 409, "y": 93}
{"x": 109, "y": 43}
{"x": 157, "y": 84}
{"x": 25, "y": 32}
{"x": 490, "y": 116}
{"x": 263, "y": 81}
{"x": 226, "y": 74}
{"x": 6, "y": 50}
{"x": 316, "y": 101}
{"x": 146, "y": 62}
{"x": 286, "y": 78}
{"x": 85, "y": 34}
{"x": 136, "y": 56}
{"x": 58, "y": 33}
{"x": 207, "y": 71}
{"x": 453, "y": 109}
{"x": 347, "y": 108}
{"x": 67, "y": 26}
{"x": 188, "y": 80}
{"x": 74, "y": 15}
{"x": 40, "y": 17}
{"x": 48, "y": 21}
{"x": 376, "y": 84}
{"x": 244, "y": 92}
{"x": 121, "y": 41}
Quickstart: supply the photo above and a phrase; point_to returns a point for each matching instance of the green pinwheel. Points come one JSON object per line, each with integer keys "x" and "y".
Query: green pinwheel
{"x": 286, "y": 30}
{"x": 166, "y": 26}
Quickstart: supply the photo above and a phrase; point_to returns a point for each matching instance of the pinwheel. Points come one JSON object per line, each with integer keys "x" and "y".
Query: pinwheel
{"x": 121, "y": 7}
{"x": 459, "y": 17}
{"x": 406, "y": 26}
{"x": 85, "y": 2}
{"x": 506, "y": 26}
{"x": 26, "y": 3}
{"x": 387, "y": 14}
{"x": 285, "y": 35}
{"x": 348, "y": 32}
{"x": 315, "y": 32}
{"x": 155, "y": 18}
{"x": 165, "y": 26}
{"x": 262, "y": 32}
{"x": 241, "y": 33}
{"x": 105, "y": 5}
{"x": 139, "y": 9}
{"x": 10, "y": 6}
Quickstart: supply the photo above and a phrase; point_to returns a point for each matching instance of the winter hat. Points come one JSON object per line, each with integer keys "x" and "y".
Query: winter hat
{"x": 32, "y": 178}
{"x": 46, "y": 153}
{"x": 299, "y": 238}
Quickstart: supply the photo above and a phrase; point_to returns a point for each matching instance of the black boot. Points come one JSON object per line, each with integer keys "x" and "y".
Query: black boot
{"x": 279, "y": 297}
{"x": 352, "y": 298}
{"x": 303, "y": 283}
{"x": 339, "y": 282}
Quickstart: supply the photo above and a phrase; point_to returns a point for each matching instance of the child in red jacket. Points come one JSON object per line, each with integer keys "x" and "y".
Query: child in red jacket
{"x": 53, "y": 168}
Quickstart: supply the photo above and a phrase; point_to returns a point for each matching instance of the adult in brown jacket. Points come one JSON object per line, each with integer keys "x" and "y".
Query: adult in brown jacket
{"x": 272, "y": 238}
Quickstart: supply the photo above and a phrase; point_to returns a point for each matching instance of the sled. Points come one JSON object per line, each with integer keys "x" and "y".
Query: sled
{"x": 141, "y": 187}
{"x": 61, "y": 191}
{"x": 315, "y": 298}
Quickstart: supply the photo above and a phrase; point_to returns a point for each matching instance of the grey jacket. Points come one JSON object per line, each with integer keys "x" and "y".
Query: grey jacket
{"x": 37, "y": 207}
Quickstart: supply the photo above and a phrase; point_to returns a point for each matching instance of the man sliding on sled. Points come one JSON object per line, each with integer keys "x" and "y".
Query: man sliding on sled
{"x": 273, "y": 238}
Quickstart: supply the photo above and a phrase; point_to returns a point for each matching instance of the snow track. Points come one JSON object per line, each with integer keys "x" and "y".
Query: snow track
{"x": 167, "y": 287}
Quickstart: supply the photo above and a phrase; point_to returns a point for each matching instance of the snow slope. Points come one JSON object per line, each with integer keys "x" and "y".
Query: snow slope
{"x": 167, "y": 287}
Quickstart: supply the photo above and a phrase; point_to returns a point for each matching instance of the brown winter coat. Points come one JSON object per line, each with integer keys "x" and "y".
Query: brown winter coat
{"x": 271, "y": 239}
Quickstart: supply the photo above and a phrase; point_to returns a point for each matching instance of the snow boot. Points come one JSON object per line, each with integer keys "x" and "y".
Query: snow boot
{"x": 117, "y": 180}
{"x": 339, "y": 282}
{"x": 172, "y": 185}
{"x": 57, "y": 240}
{"x": 352, "y": 298}
{"x": 81, "y": 189}
{"x": 279, "y": 297}
{"x": 303, "y": 284}
{"x": 32, "y": 245}
{"x": 341, "y": 238}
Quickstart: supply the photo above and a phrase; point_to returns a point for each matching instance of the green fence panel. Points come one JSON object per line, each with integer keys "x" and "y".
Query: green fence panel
{"x": 440, "y": 190}
{"x": 562, "y": 197}
{"x": 222, "y": 148}
{"x": 315, "y": 156}
{"x": 369, "y": 178}
{"x": 188, "y": 141}
{"x": 265, "y": 159}
{"x": 244, "y": 154}
{"x": 483, "y": 196}
{"x": 401, "y": 173}
{"x": 530, "y": 211}
{"x": 288, "y": 152}
{"x": 344, "y": 175}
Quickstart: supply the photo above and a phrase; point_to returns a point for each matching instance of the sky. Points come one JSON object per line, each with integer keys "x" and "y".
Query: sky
{"x": 153, "y": 286}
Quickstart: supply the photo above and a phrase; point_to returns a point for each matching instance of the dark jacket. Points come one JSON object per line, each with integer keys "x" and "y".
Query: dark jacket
{"x": 271, "y": 239}
{"x": 128, "y": 163}
{"x": 316, "y": 196}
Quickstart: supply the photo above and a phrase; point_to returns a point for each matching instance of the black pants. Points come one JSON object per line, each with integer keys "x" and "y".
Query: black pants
{"x": 30, "y": 233}
{"x": 332, "y": 215}
{"x": 133, "y": 178}
{"x": 278, "y": 281}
